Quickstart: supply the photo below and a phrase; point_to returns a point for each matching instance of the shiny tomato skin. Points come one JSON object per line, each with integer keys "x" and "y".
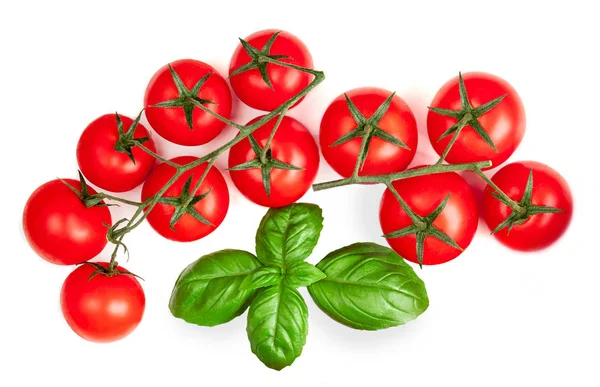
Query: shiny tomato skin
{"x": 505, "y": 123}
{"x": 58, "y": 226}
{"x": 106, "y": 167}
{"x": 213, "y": 207}
{"x": 102, "y": 309}
{"x": 170, "y": 123}
{"x": 383, "y": 157}
{"x": 250, "y": 87}
{"x": 549, "y": 189}
{"x": 293, "y": 144}
{"x": 423, "y": 194}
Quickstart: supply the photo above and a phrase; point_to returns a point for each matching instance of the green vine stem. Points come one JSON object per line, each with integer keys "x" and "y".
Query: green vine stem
{"x": 263, "y": 154}
{"x": 461, "y": 124}
{"x": 511, "y": 203}
{"x": 385, "y": 179}
{"x": 116, "y": 233}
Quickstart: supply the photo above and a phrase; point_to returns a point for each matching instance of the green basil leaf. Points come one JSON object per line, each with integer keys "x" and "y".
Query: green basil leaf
{"x": 289, "y": 234}
{"x": 370, "y": 287}
{"x": 302, "y": 274}
{"x": 277, "y": 325}
{"x": 261, "y": 278}
{"x": 208, "y": 292}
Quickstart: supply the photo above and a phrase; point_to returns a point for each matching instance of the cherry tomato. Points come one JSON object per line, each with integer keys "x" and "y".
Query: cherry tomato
{"x": 212, "y": 206}
{"x": 549, "y": 190}
{"x": 251, "y": 87}
{"x": 383, "y": 156}
{"x": 423, "y": 194}
{"x": 102, "y": 309}
{"x": 103, "y": 155}
{"x": 172, "y": 123}
{"x": 292, "y": 146}
{"x": 504, "y": 123}
{"x": 60, "y": 228}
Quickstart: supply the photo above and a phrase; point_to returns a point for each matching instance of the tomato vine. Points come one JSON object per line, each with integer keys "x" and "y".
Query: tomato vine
{"x": 422, "y": 227}
{"x": 117, "y": 232}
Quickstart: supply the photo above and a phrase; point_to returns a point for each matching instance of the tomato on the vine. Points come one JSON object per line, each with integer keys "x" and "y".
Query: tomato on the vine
{"x": 546, "y": 207}
{"x": 107, "y": 154}
{"x": 373, "y": 115}
{"x": 493, "y": 114}
{"x": 172, "y": 97}
{"x": 447, "y": 217}
{"x": 266, "y": 86}
{"x": 177, "y": 215}
{"x": 289, "y": 167}
{"x": 102, "y": 308}
{"x": 60, "y": 228}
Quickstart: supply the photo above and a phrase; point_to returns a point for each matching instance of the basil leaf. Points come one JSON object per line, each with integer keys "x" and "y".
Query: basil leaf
{"x": 261, "y": 278}
{"x": 302, "y": 274}
{"x": 370, "y": 287}
{"x": 289, "y": 234}
{"x": 208, "y": 292}
{"x": 277, "y": 326}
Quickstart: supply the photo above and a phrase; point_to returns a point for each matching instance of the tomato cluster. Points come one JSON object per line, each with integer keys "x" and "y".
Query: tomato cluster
{"x": 429, "y": 217}
{"x": 187, "y": 102}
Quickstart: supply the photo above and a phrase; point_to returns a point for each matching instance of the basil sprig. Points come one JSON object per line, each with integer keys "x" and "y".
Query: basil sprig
{"x": 364, "y": 286}
{"x": 219, "y": 287}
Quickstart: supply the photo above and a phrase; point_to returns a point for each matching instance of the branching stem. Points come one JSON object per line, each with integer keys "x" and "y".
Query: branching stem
{"x": 145, "y": 207}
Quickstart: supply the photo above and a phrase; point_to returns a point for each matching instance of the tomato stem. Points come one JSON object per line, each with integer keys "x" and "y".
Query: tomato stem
{"x": 157, "y": 156}
{"x": 507, "y": 200}
{"x": 388, "y": 178}
{"x": 416, "y": 219}
{"x": 363, "y": 149}
{"x": 263, "y": 154}
{"x": 121, "y": 200}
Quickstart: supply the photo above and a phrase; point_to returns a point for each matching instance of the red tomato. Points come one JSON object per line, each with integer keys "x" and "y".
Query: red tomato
{"x": 102, "y": 309}
{"x": 549, "y": 190}
{"x": 170, "y": 122}
{"x": 504, "y": 123}
{"x": 383, "y": 156}
{"x": 292, "y": 145}
{"x": 60, "y": 228}
{"x": 251, "y": 87}
{"x": 213, "y": 207}
{"x": 424, "y": 194}
{"x": 107, "y": 167}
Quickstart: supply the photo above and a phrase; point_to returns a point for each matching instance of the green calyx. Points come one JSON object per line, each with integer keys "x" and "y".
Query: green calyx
{"x": 422, "y": 227}
{"x": 367, "y": 128}
{"x": 468, "y": 115}
{"x": 524, "y": 209}
{"x": 259, "y": 59}
{"x": 126, "y": 142}
{"x": 266, "y": 162}
{"x": 184, "y": 204}
{"x": 188, "y": 98}
{"x": 110, "y": 270}
{"x": 84, "y": 195}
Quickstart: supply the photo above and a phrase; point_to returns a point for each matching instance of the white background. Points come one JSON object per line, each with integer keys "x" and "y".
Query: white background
{"x": 497, "y": 318}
